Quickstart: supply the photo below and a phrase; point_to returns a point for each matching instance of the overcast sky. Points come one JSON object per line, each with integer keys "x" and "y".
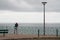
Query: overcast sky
{"x": 29, "y": 11}
{"x": 29, "y": 5}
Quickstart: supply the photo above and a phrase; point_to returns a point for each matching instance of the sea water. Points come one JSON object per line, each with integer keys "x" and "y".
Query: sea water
{"x": 32, "y": 28}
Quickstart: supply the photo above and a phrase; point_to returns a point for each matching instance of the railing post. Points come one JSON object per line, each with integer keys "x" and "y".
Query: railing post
{"x": 56, "y": 32}
{"x": 4, "y": 34}
{"x": 38, "y": 33}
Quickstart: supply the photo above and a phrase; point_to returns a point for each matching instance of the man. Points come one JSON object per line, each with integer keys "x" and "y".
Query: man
{"x": 15, "y": 28}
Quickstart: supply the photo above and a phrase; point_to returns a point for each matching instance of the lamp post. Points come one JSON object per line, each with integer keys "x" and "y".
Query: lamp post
{"x": 44, "y": 16}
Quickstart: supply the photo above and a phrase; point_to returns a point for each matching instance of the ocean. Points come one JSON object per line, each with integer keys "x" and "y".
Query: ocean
{"x": 32, "y": 28}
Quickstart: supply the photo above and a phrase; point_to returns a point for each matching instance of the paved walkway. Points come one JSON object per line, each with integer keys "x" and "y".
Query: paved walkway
{"x": 20, "y": 36}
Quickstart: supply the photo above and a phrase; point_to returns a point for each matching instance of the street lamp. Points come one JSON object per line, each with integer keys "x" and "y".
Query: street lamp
{"x": 44, "y": 16}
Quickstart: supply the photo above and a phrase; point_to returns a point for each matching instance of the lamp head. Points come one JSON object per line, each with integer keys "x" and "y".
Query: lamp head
{"x": 44, "y": 3}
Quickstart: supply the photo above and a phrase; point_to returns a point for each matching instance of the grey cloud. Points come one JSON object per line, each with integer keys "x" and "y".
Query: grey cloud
{"x": 4, "y": 5}
{"x": 53, "y": 5}
{"x": 29, "y": 5}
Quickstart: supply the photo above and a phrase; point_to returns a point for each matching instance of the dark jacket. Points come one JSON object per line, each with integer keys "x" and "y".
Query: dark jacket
{"x": 16, "y": 25}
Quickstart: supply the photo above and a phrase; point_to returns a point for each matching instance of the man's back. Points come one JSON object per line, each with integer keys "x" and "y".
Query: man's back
{"x": 15, "y": 29}
{"x": 16, "y": 25}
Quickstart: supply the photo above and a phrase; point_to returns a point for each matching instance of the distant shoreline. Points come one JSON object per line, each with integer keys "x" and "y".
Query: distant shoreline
{"x": 33, "y": 23}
